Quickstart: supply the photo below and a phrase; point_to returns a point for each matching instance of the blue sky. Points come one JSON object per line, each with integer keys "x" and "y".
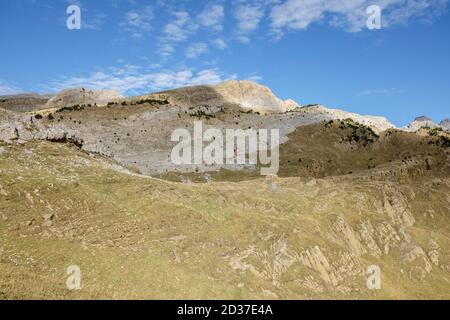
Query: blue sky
{"x": 313, "y": 51}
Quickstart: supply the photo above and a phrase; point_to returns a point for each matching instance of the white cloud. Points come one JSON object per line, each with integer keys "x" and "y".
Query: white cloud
{"x": 406, "y": 9}
{"x": 297, "y": 14}
{"x": 177, "y": 30}
{"x": 254, "y": 78}
{"x": 166, "y": 49}
{"x": 348, "y": 14}
{"x": 138, "y": 22}
{"x": 196, "y": 49}
{"x": 93, "y": 23}
{"x": 219, "y": 43}
{"x": 180, "y": 28}
{"x": 8, "y": 89}
{"x": 126, "y": 69}
{"x": 249, "y": 17}
{"x": 381, "y": 91}
{"x": 130, "y": 80}
{"x": 212, "y": 17}
{"x": 243, "y": 38}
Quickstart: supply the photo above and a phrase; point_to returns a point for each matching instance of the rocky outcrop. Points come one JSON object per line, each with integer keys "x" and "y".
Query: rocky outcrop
{"x": 17, "y": 127}
{"x": 445, "y": 124}
{"x": 253, "y": 96}
{"x": 434, "y": 253}
{"x": 420, "y": 122}
{"x": 315, "y": 259}
{"x": 378, "y": 124}
{"x": 246, "y": 95}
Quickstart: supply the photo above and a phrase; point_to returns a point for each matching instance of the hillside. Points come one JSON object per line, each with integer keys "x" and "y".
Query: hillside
{"x": 82, "y": 96}
{"x": 135, "y": 237}
{"x": 253, "y": 96}
{"x": 24, "y": 102}
{"x": 92, "y": 185}
{"x": 136, "y": 131}
{"x": 335, "y": 148}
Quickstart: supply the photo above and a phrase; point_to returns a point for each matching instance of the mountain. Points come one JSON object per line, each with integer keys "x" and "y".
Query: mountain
{"x": 82, "y": 96}
{"x": 378, "y": 124}
{"x": 93, "y": 185}
{"x": 248, "y": 95}
{"x": 426, "y": 122}
{"x": 136, "y": 131}
{"x": 420, "y": 122}
{"x": 27, "y": 102}
{"x": 252, "y": 96}
{"x": 31, "y": 102}
{"x": 445, "y": 124}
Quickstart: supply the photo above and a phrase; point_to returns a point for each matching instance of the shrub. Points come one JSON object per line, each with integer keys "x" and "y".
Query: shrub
{"x": 444, "y": 142}
{"x": 435, "y": 132}
{"x": 359, "y": 133}
{"x": 76, "y": 107}
{"x": 152, "y": 101}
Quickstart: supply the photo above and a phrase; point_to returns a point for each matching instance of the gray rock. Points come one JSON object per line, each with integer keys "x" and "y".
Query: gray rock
{"x": 419, "y": 123}
{"x": 138, "y": 135}
{"x": 445, "y": 124}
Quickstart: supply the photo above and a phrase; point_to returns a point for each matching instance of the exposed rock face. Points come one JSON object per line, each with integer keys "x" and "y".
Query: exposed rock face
{"x": 315, "y": 259}
{"x": 252, "y": 96}
{"x": 82, "y": 96}
{"x": 445, "y": 124}
{"x": 434, "y": 253}
{"x": 136, "y": 132}
{"x": 247, "y": 95}
{"x": 380, "y": 233}
{"x": 17, "y": 127}
{"x": 378, "y": 124}
{"x": 420, "y": 122}
{"x": 138, "y": 136}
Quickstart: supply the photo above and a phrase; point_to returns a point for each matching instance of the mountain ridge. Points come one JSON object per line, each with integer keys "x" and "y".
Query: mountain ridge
{"x": 248, "y": 95}
{"x": 95, "y": 186}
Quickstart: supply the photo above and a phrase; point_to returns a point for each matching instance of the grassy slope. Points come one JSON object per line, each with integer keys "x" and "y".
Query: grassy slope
{"x": 322, "y": 150}
{"x": 144, "y": 238}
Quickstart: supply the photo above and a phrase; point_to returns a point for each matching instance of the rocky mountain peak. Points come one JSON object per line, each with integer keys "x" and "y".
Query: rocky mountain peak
{"x": 445, "y": 124}
{"x": 253, "y": 96}
{"x": 420, "y": 122}
{"x": 423, "y": 118}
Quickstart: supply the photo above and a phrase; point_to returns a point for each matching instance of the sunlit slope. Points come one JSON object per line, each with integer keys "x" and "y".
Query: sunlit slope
{"x": 135, "y": 237}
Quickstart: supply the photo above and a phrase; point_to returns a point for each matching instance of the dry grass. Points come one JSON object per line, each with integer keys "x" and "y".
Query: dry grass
{"x": 145, "y": 238}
